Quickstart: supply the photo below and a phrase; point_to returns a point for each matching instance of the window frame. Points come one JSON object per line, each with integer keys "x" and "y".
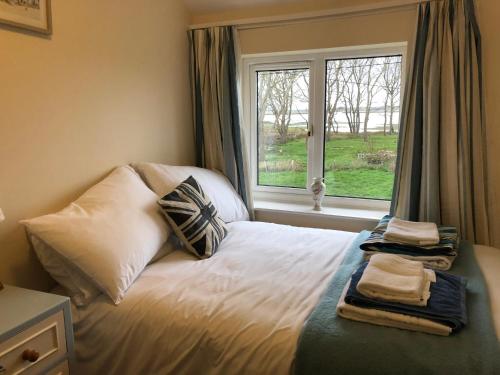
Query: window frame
{"x": 316, "y": 61}
{"x": 256, "y": 68}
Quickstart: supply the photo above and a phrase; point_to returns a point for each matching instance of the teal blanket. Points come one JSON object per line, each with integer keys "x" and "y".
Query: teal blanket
{"x": 333, "y": 345}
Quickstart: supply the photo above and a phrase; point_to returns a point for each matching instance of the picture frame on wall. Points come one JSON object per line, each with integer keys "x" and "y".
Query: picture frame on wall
{"x": 34, "y": 15}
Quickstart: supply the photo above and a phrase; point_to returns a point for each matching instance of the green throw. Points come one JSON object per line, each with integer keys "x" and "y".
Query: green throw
{"x": 333, "y": 345}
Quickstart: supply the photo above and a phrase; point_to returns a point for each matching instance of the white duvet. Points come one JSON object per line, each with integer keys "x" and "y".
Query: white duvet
{"x": 239, "y": 312}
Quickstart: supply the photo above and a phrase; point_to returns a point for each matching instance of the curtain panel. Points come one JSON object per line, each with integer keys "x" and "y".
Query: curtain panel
{"x": 441, "y": 168}
{"x": 215, "y": 94}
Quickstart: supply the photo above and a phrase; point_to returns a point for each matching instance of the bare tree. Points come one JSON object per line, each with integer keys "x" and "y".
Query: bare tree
{"x": 391, "y": 83}
{"x": 281, "y": 101}
{"x": 353, "y": 75}
{"x": 334, "y": 88}
{"x": 301, "y": 94}
{"x": 265, "y": 87}
{"x": 373, "y": 74}
{"x": 264, "y": 93}
{"x": 279, "y": 93}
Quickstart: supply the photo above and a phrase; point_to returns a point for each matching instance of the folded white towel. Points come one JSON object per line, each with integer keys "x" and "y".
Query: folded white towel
{"x": 389, "y": 319}
{"x": 392, "y": 278}
{"x": 411, "y": 232}
{"x": 436, "y": 262}
{"x": 422, "y": 300}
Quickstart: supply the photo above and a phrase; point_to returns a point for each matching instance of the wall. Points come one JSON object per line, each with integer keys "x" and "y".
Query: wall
{"x": 275, "y": 8}
{"x": 378, "y": 28}
{"x": 109, "y": 87}
{"x": 330, "y": 33}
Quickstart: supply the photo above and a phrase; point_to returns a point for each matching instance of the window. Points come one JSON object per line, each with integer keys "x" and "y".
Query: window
{"x": 330, "y": 113}
{"x": 361, "y": 125}
{"x": 283, "y": 118}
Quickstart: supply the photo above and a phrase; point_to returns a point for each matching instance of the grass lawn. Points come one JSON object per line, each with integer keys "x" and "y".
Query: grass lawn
{"x": 345, "y": 173}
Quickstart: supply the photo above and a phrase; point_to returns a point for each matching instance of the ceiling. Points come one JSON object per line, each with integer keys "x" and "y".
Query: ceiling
{"x": 222, "y": 5}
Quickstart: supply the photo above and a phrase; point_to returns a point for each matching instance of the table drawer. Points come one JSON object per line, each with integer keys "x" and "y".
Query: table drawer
{"x": 36, "y": 348}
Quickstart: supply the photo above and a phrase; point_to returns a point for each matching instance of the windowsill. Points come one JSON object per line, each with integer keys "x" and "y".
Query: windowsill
{"x": 327, "y": 212}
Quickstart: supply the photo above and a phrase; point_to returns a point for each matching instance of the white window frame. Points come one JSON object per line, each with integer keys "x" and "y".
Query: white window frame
{"x": 315, "y": 60}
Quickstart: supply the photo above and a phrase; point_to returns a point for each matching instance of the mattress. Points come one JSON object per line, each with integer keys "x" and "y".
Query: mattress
{"x": 238, "y": 312}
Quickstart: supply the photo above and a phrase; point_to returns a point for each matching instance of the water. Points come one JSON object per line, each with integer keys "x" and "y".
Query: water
{"x": 375, "y": 123}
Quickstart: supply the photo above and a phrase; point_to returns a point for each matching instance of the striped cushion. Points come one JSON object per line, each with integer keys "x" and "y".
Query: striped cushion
{"x": 194, "y": 218}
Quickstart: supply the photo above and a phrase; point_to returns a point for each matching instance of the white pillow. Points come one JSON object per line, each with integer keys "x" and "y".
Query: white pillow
{"x": 163, "y": 179}
{"x": 110, "y": 233}
{"x": 79, "y": 289}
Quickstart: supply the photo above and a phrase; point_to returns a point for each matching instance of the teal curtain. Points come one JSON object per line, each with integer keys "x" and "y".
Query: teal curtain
{"x": 441, "y": 168}
{"x": 214, "y": 79}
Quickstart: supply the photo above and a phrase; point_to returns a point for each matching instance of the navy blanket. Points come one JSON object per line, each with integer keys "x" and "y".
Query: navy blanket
{"x": 446, "y": 304}
{"x": 332, "y": 345}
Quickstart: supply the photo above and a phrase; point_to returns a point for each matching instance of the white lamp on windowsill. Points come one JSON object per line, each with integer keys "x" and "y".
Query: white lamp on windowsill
{"x": 2, "y": 218}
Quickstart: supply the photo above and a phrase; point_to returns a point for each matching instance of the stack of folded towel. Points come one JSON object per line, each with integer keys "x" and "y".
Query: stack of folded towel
{"x": 392, "y": 291}
{"x": 436, "y": 247}
{"x": 394, "y": 279}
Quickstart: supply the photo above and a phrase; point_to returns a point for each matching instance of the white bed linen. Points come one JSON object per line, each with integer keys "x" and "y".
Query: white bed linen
{"x": 238, "y": 312}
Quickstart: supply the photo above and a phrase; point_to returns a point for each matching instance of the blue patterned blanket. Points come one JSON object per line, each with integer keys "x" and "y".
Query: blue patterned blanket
{"x": 448, "y": 242}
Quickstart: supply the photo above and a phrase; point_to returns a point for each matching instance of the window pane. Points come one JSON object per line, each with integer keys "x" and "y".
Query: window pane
{"x": 282, "y": 123}
{"x": 362, "y": 126}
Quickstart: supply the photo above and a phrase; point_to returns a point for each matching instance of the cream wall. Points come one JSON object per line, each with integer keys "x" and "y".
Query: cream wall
{"x": 330, "y": 33}
{"x": 109, "y": 87}
{"x": 379, "y": 27}
{"x": 279, "y": 7}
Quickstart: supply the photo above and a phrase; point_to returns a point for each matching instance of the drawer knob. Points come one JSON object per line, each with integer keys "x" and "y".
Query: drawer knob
{"x": 31, "y": 355}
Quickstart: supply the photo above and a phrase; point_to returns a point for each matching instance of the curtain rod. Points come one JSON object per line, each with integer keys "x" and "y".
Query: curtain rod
{"x": 246, "y": 23}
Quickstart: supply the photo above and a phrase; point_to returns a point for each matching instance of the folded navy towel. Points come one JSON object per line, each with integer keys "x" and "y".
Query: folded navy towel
{"x": 446, "y": 304}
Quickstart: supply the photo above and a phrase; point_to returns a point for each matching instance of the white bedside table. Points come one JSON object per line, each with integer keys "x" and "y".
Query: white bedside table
{"x": 36, "y": 333}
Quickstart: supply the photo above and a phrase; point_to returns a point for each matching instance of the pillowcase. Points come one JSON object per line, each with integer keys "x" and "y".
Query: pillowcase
{"x": 110, "y": 233}
{"x": 163, "y": 179}
{"x": 74, "y": 282}
{"x": 172, "y": 243}
{"x": 194, "y": 218}
{"x": 79, "y": 289}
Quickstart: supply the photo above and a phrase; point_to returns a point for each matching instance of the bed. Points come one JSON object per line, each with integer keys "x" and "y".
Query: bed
{"x": 143, "y": 304}
{"x": 245, "y": 317}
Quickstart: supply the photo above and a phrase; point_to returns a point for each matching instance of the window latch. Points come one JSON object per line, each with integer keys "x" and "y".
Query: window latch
{"x": 309, "y": 133}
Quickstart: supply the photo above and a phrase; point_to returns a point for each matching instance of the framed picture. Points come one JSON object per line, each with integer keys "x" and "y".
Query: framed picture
{"x": 28, "y": 14}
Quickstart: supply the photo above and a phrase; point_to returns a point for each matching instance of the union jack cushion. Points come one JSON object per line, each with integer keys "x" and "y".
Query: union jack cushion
{"x": 194, "y": 218}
